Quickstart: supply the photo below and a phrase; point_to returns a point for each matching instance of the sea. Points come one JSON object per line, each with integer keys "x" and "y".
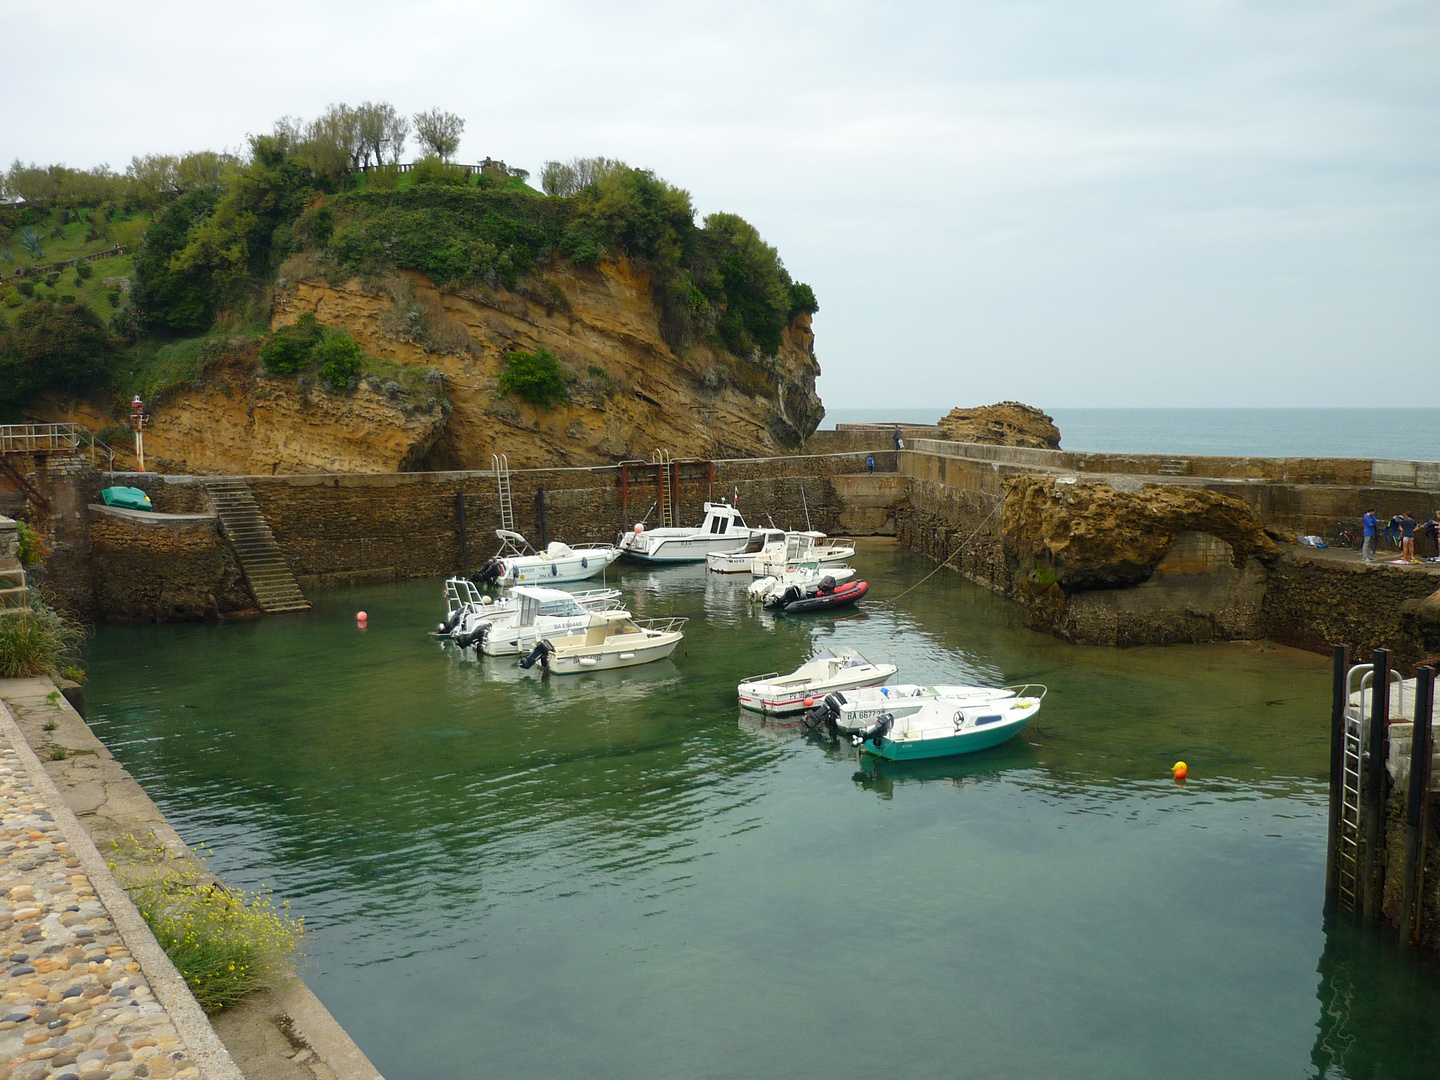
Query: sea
{"x": 1397, "y": 434}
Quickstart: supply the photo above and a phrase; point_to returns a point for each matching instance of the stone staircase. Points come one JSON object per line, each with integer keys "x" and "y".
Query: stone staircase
{"x": 271, "y": 581}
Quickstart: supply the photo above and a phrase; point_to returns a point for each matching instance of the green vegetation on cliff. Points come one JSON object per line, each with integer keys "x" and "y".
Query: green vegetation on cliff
{"x": 216, "y": 229}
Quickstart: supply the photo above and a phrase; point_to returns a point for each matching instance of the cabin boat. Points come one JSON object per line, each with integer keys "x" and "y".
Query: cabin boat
{"x": 801, "y": 547}
{"x": 529, "y": 613}
{"x": 517, "y": 563}
{"x": 946, "y": 728}
{"x": 723, "y": 530}
{"x": 854, "y": 710}
{"x": 741, "y": 560}
{"x": 836, "y": 668}
{"x": 611, "y": 640}
{"x": 804, "y": 576}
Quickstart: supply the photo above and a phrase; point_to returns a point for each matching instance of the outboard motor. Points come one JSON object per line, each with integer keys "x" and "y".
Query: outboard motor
{"x": 875, "y": 732}
{"x": 827, "y": 585}
{"x": 541, "y": 652}
{"x": 827, "y": 712}
{"x": 789, "y": 596}
{"x": 488, "y": 574}
{"x": 475, "y": 637}
{"x": 453, "y": 621}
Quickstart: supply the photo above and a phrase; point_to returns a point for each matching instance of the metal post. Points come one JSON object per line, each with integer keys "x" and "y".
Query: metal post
{"x": 1420, "y": 754}
{"x": 1374, "y": 813}
{"x": 540, "y": 510}
{"x": 460, "y": 517}
{"x": 1337, "y": 767}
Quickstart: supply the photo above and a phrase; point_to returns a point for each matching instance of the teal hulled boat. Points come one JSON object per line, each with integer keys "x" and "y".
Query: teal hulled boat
{"x": 946, "y": 727}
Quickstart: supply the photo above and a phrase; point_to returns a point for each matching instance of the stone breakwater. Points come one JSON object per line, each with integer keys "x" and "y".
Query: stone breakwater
{"x": 74, "y": 1003}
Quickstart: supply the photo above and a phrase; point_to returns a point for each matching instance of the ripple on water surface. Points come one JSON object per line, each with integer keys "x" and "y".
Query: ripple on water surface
{"x": 618, "y": 875}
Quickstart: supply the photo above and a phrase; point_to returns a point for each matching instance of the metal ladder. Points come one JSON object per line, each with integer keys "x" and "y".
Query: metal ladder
{"x": 501, "y": 464}
{"x": 667, "y": 494}
{"x": 1347, "y": 855}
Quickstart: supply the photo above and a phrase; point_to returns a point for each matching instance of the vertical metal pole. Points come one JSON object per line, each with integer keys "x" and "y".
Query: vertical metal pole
{"x": 540, "y": 509}
{"x": 624, "y": 496}
{"x": 1337, "y": 766}
{"x": 1374, "y": 813}
{"x": 1410, "y": 904}
{"x": 460, "y": 517}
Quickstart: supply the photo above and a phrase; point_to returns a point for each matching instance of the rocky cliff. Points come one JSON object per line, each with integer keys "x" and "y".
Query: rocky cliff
{"x": 1007, "y": 423}
{"x": 629, "y": 392}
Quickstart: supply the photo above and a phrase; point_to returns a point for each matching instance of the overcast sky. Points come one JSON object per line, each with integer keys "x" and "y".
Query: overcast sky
{"x": 1117, "y": 202}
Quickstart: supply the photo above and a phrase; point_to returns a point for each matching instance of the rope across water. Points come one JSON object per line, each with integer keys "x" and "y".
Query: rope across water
{"x": 946, "y": 563}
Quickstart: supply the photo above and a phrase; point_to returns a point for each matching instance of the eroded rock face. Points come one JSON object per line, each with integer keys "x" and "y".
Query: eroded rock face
{"x": 631, "y": 392}
{"x": 1083, "y": 536}
{"x": 1007, "y": 423}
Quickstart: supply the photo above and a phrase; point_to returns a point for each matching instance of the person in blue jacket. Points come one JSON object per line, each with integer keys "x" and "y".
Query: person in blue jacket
{"x": 1372, "y": 525}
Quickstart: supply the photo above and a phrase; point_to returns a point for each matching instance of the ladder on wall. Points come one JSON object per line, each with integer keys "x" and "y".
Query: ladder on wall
{"x": 1347, "y": 853}
{"x": 664, "y": 464}
{"x": 501, "y": 464}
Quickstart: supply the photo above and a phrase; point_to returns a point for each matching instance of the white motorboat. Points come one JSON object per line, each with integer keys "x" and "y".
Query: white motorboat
{"x": 836, "y": 668}
{"x": 855, "y": 710}
{"x": 516, "y": 563}
{"x": 801, "y": 547}
{"x": 467, "y": 608}
{"x": 806, "y": 575}
{"x": 946, "y": 727}
{"x": 722, "y": 530}
{"x": 741, "y": 560}
{"x": 611, "y": 640}
{"x": 512, "y": 625}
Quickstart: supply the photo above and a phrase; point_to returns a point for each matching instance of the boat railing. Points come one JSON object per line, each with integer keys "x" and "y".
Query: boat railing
{"x": 1361, "y": 678}
{"x": 662, "y": 625}
{"x": 460, "y": 591}
{"x": 761, "y": 678}
{"x": 1020, "y": 690}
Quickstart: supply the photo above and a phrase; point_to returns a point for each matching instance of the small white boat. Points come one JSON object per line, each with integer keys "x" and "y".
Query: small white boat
{"x": 740, "y": 561}
{"x": 946, "y": 727}
{"x": 856, "y": 710}
{"x": 807, "y": 575}
{"x": 801, "y": 547}
{"x": 722, "y": 530}
{"x": 836, "y": 668}
{"x": 512, "y": 625}
{"x": 516, "y": 563}
{"x": 611, "y": 640}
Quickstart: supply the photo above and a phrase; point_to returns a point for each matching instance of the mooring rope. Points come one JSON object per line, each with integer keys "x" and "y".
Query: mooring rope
{"x": 946, "y": 563}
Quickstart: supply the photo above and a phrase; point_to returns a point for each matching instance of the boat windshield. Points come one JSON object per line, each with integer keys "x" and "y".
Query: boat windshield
{"x": 568, "y": 606}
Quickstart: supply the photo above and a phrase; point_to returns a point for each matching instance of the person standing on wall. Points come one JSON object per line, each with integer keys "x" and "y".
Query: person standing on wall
{"x": 870, "y": 463}
{"x": 1372, "y": 526}
{"x": 1407, "y": 537}
{"x": 899, "y": 442}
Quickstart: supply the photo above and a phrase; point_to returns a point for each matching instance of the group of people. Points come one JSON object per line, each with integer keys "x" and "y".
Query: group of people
{"x": 1401, "y": 528}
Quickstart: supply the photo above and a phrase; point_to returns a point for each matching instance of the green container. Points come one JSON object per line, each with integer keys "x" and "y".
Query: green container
{"x": 127, "y": 498}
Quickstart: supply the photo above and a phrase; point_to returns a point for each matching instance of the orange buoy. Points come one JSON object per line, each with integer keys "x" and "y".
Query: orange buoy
{"x": 361, "y": 617}
{"x": 809, "y": 703}
{"x": 1180, "y": 770}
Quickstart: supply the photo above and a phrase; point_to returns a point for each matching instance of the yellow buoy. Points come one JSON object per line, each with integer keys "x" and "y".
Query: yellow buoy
{"x": 1180, "y": 770}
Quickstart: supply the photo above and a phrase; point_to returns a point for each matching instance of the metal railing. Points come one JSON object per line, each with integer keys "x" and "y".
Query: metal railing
{"x": 39, "y": 439}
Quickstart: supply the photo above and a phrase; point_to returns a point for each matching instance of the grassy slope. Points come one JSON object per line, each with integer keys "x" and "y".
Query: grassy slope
{"x": 93, "y": 292}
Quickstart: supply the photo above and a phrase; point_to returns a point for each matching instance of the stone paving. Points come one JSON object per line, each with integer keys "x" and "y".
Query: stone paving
{"x": 74, "y": 1004}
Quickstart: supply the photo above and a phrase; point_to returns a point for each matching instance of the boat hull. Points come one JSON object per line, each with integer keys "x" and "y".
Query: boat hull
{"x": 685, "y": 549}
{"x": 843, "y": 596}
{"x": 782, "y": 704}
{"x": 584, "y": 564}
{"x": 966, "y": 742}
{"x": 580, "y": 663}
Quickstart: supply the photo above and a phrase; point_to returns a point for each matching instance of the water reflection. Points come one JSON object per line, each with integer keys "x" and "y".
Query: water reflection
{"x": 1378, "y": 1006}
{"x": 883, "y": 777}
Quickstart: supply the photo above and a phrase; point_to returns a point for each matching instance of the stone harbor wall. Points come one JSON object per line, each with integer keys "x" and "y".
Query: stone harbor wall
{"x": 1313, "y": 603}
{"x": 163, "y": 568}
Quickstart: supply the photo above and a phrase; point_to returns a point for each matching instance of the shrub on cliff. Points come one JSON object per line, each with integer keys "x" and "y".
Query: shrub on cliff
{"x": 305, "y": 344}
{"x": 52, "y": 346}
{"x": 535, "y": 377}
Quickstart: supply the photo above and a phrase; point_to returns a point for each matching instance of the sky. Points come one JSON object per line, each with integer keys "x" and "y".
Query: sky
{"x": 1114, "y": 203}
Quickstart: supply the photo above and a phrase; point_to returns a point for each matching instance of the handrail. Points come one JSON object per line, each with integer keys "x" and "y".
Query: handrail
{"x": 1019, "y": 689}
{"x": 654, "y": 624}
{"x": 38, "y": 438}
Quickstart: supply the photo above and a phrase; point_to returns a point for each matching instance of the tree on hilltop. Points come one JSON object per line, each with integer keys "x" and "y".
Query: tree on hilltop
{"x": 382, "y": 132}
{"x": 439, "y": 132}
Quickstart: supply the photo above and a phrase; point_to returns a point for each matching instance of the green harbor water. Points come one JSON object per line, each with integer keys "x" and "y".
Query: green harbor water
{"x": 620, "y": 875}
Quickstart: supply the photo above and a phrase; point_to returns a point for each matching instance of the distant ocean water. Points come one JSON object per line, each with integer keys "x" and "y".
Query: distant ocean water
{"x": 1406, "y": 434}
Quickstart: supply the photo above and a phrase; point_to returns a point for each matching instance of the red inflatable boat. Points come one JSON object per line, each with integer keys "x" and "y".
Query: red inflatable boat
{"x": 794, "y": 600}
